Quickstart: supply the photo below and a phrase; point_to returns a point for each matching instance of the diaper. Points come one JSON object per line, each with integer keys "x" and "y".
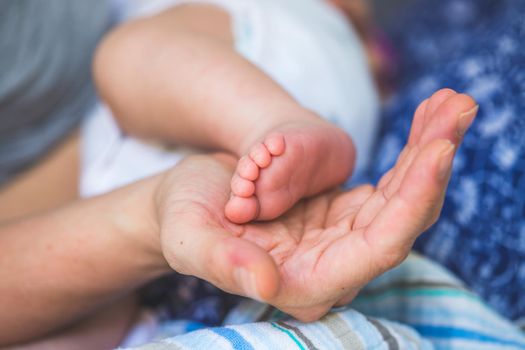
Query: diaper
{"x": 307, "y": 46}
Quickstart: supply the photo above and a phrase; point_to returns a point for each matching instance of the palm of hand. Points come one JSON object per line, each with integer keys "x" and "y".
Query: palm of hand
{"x": 326, "y": 248}
{"x": 321, "y": 257}
{"x": 323, "y": 250}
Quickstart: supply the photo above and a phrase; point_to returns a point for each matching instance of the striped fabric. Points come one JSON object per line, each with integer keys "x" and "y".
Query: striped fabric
{"x": 418, "y": 305}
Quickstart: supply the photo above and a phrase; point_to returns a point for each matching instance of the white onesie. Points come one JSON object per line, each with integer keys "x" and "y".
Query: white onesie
{"x": 307, "y": 46}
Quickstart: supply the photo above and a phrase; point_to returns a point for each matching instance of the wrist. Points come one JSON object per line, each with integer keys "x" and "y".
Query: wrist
{"x": 137, "y": 219}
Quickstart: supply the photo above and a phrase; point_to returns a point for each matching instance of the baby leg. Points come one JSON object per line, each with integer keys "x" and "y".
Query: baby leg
{"x": 215, "y": 98}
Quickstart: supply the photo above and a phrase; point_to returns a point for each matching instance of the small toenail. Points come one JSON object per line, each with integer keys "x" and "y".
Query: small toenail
{"x": 465, "y": 120}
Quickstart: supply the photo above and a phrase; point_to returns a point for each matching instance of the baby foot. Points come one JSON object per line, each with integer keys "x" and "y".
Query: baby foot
{"x": 294, "y": 160}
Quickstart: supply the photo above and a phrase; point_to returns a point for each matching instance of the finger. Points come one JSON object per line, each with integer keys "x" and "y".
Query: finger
{"x": 386, "y": 178}
{"x": 386, "y": 241}
{"x": 414, "y": 207}
{"x": 417, "y": 123}
{"x": 448, "y": 121}
{"x": 230, "y": 263}
{"x": 403, "y": 163}
{"x": 388, "y": 185}
{"x": 438, "y": 98}
{"x": 400, "y": 173}
{"x": 430, "y": 122}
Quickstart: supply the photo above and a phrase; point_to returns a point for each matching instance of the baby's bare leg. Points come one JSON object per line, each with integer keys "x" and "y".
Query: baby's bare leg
{"x": 177, "y": 77}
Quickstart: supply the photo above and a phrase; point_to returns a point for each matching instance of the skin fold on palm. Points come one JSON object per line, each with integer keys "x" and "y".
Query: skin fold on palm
{"x": 326, "y": 248}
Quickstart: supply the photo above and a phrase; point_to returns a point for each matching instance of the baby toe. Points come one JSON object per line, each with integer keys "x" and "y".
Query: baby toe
{"x": 261, "y": 156}
{"x": 242, "y": 210}
{"x": 247, "y": 169}
{"x": 242, "y": 187}
{"x": 275, "y": 144}
{"x": 450, "y": 119}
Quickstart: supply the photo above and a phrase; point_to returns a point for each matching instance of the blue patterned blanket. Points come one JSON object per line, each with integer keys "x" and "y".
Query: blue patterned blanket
{"x": 478, "y": 47}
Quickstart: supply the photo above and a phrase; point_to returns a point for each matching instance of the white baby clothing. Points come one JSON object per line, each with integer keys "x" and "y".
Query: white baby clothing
{"x": 307, "y": 46}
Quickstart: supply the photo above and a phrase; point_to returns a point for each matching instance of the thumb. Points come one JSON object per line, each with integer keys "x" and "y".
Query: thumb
{"x": 228, "y": 262}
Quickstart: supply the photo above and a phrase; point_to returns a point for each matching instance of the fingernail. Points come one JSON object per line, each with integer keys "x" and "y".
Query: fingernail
{"x": 446, "y": 158}
{"x": 465, "y": 120}
{"x": 247, "y": 281}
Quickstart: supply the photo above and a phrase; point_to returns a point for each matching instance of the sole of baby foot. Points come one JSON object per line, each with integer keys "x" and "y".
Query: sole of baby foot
{"x": 293, "y": 161}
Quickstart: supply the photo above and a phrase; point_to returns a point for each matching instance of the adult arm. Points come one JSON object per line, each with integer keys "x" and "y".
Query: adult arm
{"x": 59, "y": 267}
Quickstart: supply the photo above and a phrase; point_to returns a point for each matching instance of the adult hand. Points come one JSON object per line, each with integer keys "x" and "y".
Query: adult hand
{"x": 323, "y": 251}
